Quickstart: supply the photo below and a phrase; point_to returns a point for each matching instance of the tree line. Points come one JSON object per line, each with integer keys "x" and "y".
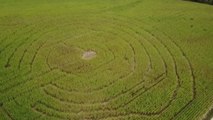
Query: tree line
{"x": 204, "y": 1}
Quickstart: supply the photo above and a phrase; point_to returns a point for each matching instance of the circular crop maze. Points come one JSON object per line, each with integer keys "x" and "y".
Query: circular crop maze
{"x": 93, "y": 67}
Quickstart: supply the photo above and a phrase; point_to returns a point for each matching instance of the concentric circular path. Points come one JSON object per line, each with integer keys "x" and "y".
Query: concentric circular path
{"x": 135, "y": 72}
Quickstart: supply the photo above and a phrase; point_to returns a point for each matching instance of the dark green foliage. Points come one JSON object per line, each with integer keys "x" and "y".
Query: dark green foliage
{"x": 1, "y": 104}
{"x": 204, "y": 1}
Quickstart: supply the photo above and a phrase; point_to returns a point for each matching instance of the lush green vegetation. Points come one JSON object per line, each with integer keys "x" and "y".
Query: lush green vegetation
{"x": 111, "y": 59}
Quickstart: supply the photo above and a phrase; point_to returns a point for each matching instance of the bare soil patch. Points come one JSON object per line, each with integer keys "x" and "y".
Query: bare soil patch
{"x": 88, "y": 55}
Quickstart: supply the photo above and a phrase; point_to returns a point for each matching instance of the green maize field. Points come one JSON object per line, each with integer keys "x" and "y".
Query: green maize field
{"x": 106, "y": 60}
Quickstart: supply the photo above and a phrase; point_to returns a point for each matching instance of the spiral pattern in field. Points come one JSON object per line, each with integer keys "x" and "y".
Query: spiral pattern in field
{"x": 133, "y": 72}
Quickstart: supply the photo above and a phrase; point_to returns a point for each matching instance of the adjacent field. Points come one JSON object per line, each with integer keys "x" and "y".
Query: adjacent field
{"x": 105, "y": 60}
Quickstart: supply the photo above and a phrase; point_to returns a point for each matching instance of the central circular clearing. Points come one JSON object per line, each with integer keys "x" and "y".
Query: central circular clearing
{"x": 88, "y": 55}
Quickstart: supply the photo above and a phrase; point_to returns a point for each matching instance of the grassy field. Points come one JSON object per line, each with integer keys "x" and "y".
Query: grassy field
{"x": 105, "y": 60}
